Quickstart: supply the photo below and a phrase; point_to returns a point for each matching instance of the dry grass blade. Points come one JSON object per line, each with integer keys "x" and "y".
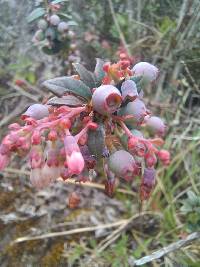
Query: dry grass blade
{"x": 73, "y": 181}
{"x": 70, "y": 232}
{"x": 23, "y": 92}
{"x": 116, "y": 234}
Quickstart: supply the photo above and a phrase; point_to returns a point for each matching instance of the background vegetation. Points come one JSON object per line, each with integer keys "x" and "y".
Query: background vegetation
{"x": 165, "y": 33}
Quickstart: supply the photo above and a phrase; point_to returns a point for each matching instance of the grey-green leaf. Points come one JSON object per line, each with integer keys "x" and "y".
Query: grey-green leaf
{"x": 61, "y": 85}
{"x": 86, "y": 76}
{"x": 66, "y": 100}
{"x": 35, "y": 14}
{"x": 58, "y": 1}
{"x": 99, "y": 72}
{"x": 72, "y": 23}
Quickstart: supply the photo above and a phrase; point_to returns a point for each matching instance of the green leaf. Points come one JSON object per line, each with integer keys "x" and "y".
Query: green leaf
{"x": 136, "y": 79}
{"x": 72, "y": 23}
{"x": 61, "y": 85}
{"x": 58, "y": 1}
{"x": 186, "y": 208}
{"x": 99, "y": 72}
{"x": 86, "y": 76}
{"x": 35, "y": 14}
{"x": 68, "y": 100}
{"x": 65, "y": 16}
{"x": 96, "y": 141}
{"x": 192, "y": 197}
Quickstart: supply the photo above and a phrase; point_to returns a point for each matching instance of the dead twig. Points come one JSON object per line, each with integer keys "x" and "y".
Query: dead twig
{"x": 166, "y": 250}
{"x": 73, "y": 181}
{"x": 23, "y": 92}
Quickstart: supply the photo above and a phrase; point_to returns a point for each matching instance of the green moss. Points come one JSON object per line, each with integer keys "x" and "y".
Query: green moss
{"x": 53, "y": 256}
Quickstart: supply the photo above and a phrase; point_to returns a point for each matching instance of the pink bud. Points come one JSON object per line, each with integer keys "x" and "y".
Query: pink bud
{"x": 106, "y": 99}
{"x": 164, "y": 156}
{"x": 36, "y": 157}
{"x": 75, "y": 163}
{"x": 37, "y": 111}
{"x": 4, "y": 161}
{"x": 14, "y": 126}
{"x": 149, "y": 71}
{"x": 148, "y": 183}
{"x": 52, "y": 136}
{"x": 136, "y": 147}
{"x": 36, "y": 138}
{"x": 150, "y": 159}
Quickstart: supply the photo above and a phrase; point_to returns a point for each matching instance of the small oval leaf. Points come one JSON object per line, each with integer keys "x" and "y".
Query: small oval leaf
{"x": 66, "y": 100}
{"x": 58, "y": 1}
{"x": 35, "y": 14}
{"x": 61, "y": 85}
{"x": 99, "y": 72}
{"x": 96, "y": 141}
{"x": 86, "y": 76}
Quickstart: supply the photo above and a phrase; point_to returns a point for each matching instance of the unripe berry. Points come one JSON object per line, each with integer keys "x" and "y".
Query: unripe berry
{"x": 42, "y": 24}
{"x": 54, "y": 20}
{"x": 122, "y": 164}
{"x": 50, "y": 34}
{"x": 147, "y": 70}
{"x": 39, "y": 35}
{"x": 135, "y": 108}
{"x": 150, "y": 159}
{"x": 156, "y": 125}
{"x": 63, "y": 27}
{"x": 37, "y": 111}
{"x": 106, "y": 99}
{"x": 129, "y": 90}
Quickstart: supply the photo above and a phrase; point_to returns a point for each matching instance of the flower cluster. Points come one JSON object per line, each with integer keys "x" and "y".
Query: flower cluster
{"x": 93, "y": 116}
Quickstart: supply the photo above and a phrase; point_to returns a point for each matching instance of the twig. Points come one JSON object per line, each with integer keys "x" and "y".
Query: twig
{"x": 116, "y": 234}
{"x": 166, "y": 250}
{"x": 73, "y": 181}
{"x": 23, "y": 92}
{"x": 12, "y": 115}
{"x": 121, "y": 35}
{"x": 190, "y": 76}
{"x": 70, "y": 232}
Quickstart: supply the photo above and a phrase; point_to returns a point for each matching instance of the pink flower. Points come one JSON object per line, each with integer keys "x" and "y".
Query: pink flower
{"x": 75, "y": 162}
{"x": 4, "y": 161}
{"x": 42, "y": 177}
